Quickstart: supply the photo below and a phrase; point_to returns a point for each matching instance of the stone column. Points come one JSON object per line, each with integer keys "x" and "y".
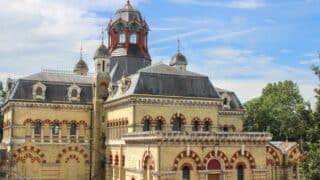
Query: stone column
{"x": 32, "y": 134}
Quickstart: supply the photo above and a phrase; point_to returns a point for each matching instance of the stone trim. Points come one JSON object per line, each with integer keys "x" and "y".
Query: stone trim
{"x": 232, "y": 112}
{"x": 164, "y": 100}
{"x": 54, "y": 105}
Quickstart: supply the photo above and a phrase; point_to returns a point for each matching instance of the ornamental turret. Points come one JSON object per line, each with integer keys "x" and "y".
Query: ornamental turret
{"x": 102, "y": 57}
{"x": 81, "y": 68}
{"x": 179, "y": 61}
{"x": 128, "y": 33}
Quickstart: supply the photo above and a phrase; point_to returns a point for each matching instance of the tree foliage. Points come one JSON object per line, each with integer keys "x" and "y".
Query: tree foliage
{"x": 311, "y": 162}
{"x": 282, "y": 111}
{"x": 279, "y": 110}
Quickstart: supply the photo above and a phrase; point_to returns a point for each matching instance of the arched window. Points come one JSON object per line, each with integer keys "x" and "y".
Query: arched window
{"x": 146, "y": 125}
{"x": 55, "y": 129}
{"x": 73, "y": 129}
{"x": 195, "y": 126}
{"x": 159, "y": 125}
{"x": 39, "y": 91}
{"x": 122, "y": 38}
{"x": 240, "y": 172}
{"x": 37, "y": 128}
{"x": 177, "y": 124}
{"x": 133, "y": 38}
{"x": 186, "y": 173}
{"x": 225, "y": 101}
{"x": 74, "y": 93}
{"x": 225, "y": 129}
{"x": 206, "y": 126}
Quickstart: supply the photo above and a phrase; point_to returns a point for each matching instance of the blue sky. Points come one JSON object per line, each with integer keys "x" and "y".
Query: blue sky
{"x": 240, "y": 44}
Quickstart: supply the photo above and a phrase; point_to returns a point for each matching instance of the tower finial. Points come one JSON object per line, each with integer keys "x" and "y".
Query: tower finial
{"x": 81, "y": 52}
{"x": 102, "y": 36}
{"x": 178, "y": 45}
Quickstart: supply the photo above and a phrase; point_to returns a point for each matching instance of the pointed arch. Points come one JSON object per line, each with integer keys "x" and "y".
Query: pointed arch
{"x": 184, "y": 154}
{"x": 247, "y": 155}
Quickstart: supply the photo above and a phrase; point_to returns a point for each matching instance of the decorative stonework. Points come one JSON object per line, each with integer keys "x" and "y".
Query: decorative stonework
{"x": 39, "y": 91}
{"x": 273, "y": 153}
{"x": 295, "y": 156}
{"x": 56, "y": 121}
{"x": 184, "y": 154}
{"x": 74, "y": 93}
{"x": 25, "y": 104}
{"x": 247, "y": 155}
{"x": 32, "y": 152}
{"x": 180, "y": 116}
{"x": 217, "y": 155}
{"x": 159, "y": 118}
{"x": 124, "y": 84}
{"x": 232, "y": 112}
{"x": 146, "y": 118}
{"x": 117, "y": 122}
{"x": 198, "y": 137}
{"x": 112, "y": 89}
{"x": 71, "y": 149}
{"x": 163, "y": 100}
{"x": 147, "y": 156}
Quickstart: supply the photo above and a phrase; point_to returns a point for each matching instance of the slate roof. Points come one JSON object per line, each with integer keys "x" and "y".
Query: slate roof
{"x": 235, "y": 103}
{"x": 57, "y": 87}
{"x": 161, "y": 79}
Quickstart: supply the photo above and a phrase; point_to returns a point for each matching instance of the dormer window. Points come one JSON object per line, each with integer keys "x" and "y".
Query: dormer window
{"x": 125, "y": 84}
{"x": 39, "y": 91}
{"x": 133, "y": 38}
{"x": 74, "y": 92}
{"x": 226, "y": 101}
{"x": 122, "y": 38}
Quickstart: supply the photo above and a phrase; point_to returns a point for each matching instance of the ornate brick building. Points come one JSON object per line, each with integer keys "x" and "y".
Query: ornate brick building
{"x": 131, "y": 120}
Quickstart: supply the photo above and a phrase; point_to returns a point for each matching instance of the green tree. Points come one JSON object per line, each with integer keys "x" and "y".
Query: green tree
{"x": 280, "y": 110}
{"x": 311, "y": 161}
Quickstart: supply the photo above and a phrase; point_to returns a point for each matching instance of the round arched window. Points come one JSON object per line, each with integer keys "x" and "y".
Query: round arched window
{"x": 122, "y": 38}
{"x": 74, "y": 93}
{"x": 39, "y": 91}
{"x": 133, "y": 38}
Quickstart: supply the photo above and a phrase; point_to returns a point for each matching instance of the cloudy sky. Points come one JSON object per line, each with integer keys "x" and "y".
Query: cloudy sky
{"x": 240, "y": 44}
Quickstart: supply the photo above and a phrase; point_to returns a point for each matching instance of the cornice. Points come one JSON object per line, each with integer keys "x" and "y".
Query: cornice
{"x": 164, "y": 100}
{"x": 28, "y": 104}
{"x": 232, "y": 112}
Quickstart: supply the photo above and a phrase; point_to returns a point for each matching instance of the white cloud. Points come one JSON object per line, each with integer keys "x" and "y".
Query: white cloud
{"x": 239, "y": 4}
{"x": 247, "y": 72}
{"x": 310, "y": 61}
{"x": 229, "y": 35}
{"x": 177, "y": 36}
{"x": 48, "y": 34}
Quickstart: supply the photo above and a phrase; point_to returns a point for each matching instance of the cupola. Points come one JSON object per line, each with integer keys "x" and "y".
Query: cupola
{"x": 128, "y": 33}
{"x": 179, "y": 61}
{"x": 81, "y": 68}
